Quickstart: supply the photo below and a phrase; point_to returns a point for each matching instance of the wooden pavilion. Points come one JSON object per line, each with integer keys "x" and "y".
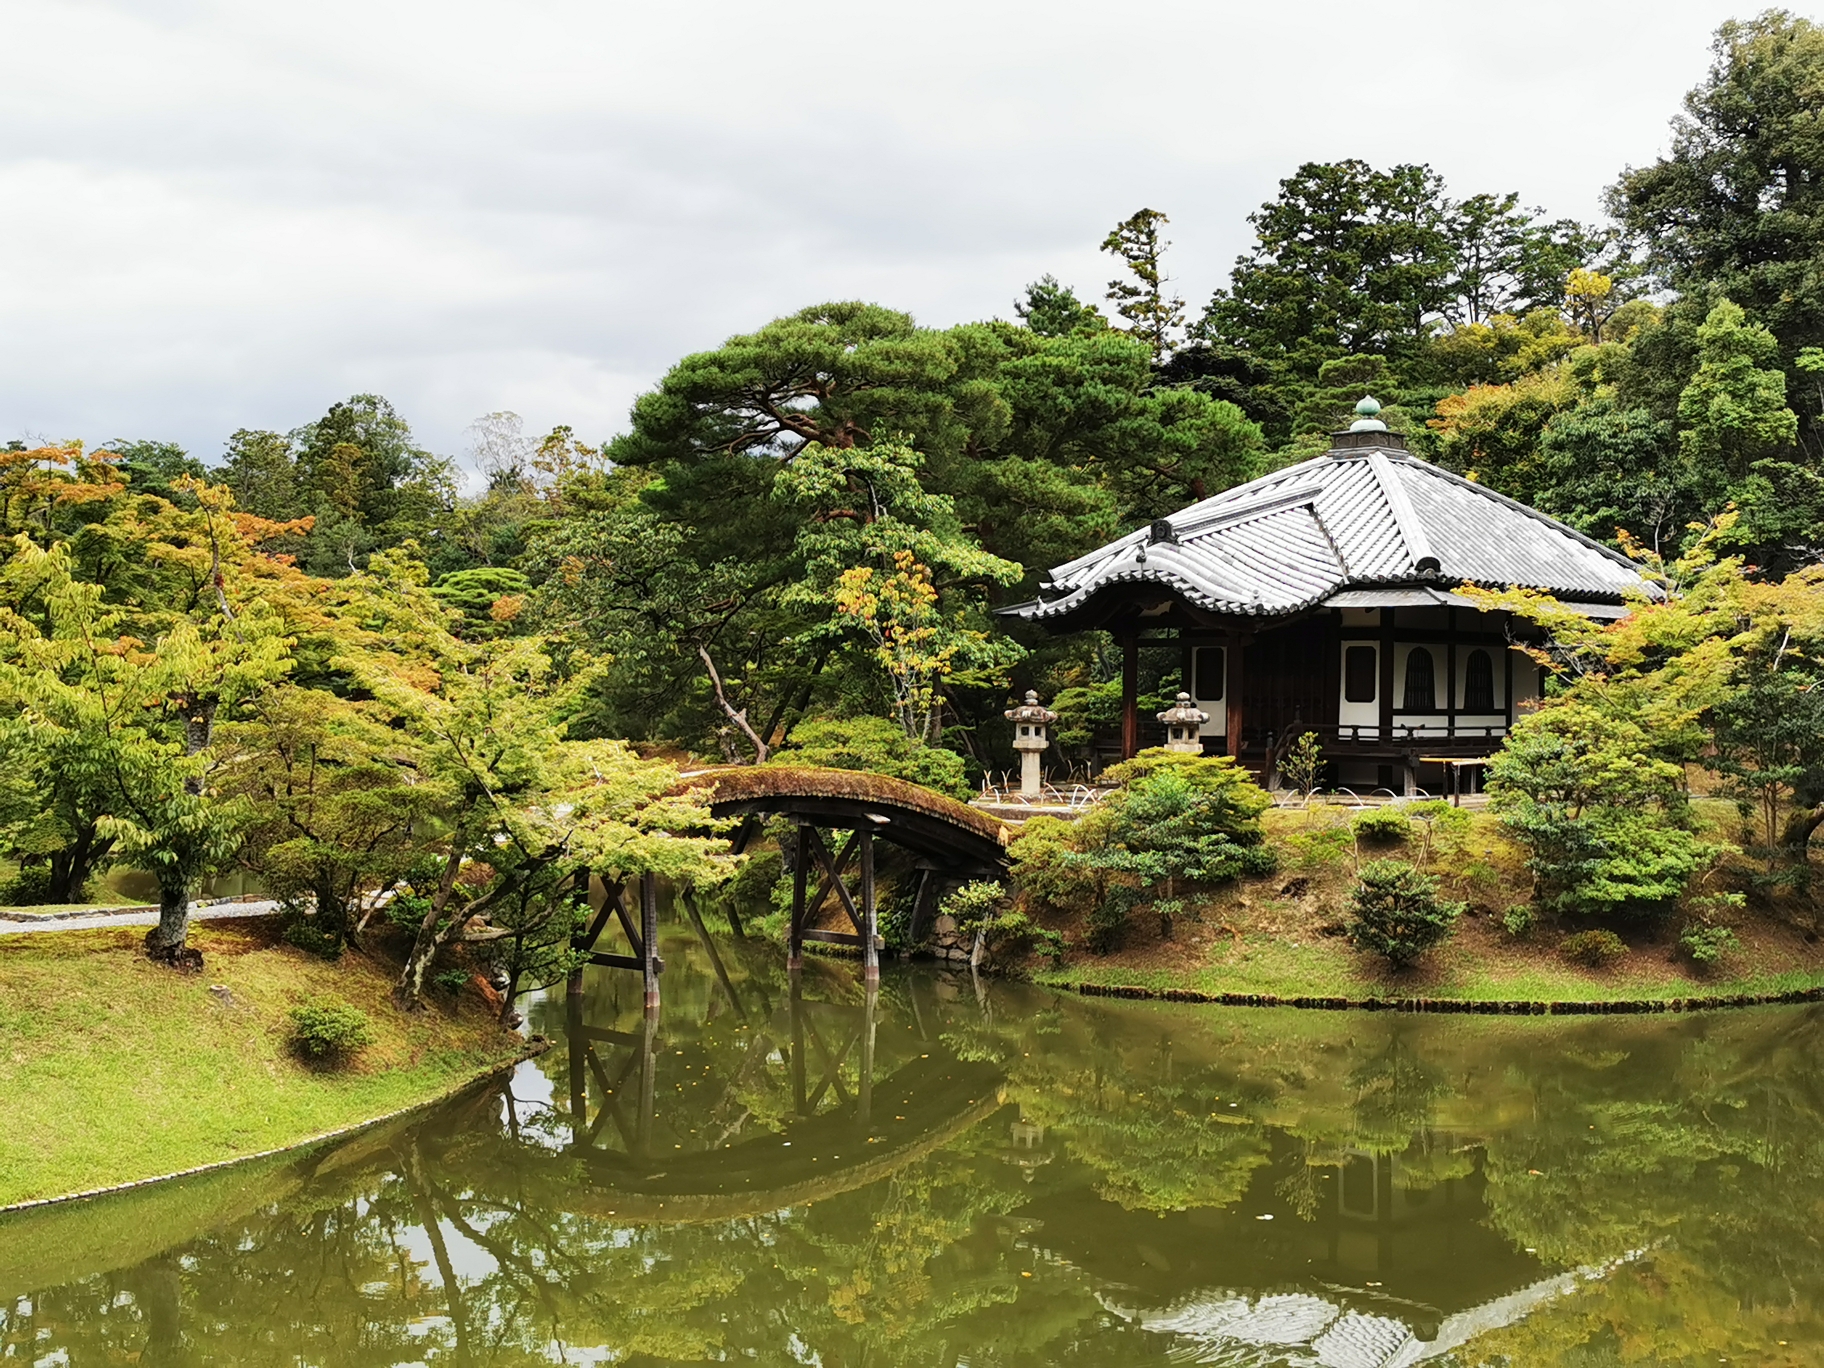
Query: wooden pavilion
{"x": 1321, "y": 598}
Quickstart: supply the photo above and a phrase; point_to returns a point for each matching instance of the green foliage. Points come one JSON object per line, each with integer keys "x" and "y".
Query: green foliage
{"x": 877, "y": 746}
{"x": 1351, "y": 259}
{"x": 982, "y": 905}
{"x": 1048, "y": 879}
{"x": 1518, "y": 921}
{"x": 1770, "y": 744}
{"x": 29, "y": 887}
{"x": 1594, "y": 949}
{"x": 1395, "y": 912}
{"x": 1385, "y": 824}
{"x": 1152, "y": 315}
{"x": 1707, "y": 943}
{"x": 324, "y": 1029}
{"x": 1735, "y": 207}
{"x": 1053, "y": 310}
{"x": 1174, "y": 819}
{"x": 1604, "y": 818}
{"x": 489, "y": 597}
{"x": 1733, "y": 411}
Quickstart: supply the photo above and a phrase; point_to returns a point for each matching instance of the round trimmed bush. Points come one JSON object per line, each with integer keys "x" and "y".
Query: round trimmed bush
{"x": 1388, "y": 824}
{"x": 330, "y": 1031}
{"x": 1593, "y": 949}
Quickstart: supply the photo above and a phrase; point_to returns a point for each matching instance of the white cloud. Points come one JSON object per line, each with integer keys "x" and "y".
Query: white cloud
{"x": 231, "y": 214}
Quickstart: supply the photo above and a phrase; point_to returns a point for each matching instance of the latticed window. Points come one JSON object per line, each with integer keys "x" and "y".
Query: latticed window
{"x": 1478, "y": 683}
{"x": 1421, "y": 694}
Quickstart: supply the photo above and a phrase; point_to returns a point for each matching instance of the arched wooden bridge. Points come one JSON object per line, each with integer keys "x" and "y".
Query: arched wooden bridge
{"x": 949, "y": 842}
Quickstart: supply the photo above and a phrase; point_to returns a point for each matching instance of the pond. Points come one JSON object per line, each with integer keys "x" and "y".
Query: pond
{"x": 987, "y": 1173}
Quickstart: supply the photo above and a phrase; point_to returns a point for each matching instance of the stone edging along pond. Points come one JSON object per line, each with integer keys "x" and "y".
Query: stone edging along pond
{"x": 1491, "y": 1007}
{"x": 533, "y": 1050}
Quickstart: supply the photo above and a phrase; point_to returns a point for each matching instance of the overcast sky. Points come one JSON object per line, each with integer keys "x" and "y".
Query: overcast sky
{"x": 224, "y": 215}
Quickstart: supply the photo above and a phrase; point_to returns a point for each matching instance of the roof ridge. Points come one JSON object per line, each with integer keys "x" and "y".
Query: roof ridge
{"x": 1412, "y": 534}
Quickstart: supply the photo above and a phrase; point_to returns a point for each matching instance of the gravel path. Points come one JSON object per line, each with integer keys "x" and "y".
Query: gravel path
{"x": 137, "y": 917}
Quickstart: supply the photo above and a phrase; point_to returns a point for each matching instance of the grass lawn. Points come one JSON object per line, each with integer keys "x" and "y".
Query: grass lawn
{"x": 115, "y": 1069}
{"x": 1279, "y": 934}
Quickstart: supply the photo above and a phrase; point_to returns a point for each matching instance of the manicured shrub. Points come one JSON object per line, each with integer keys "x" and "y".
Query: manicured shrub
{"x": 1396, "y": 912}
{"x": 1051, "y": 882}
{"x": 1518, "y": 921}
{"x": 1593, "y": 949}
{"x": 324, "y": 1029}
{"x": 1382, "y": 824}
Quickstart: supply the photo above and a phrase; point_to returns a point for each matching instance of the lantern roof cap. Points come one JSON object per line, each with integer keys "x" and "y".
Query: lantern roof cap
{"x": 1031, "y": 711}
{"x": 1184, "y": 713}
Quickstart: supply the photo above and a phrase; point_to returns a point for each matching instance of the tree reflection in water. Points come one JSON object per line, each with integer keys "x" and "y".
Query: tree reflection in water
{"x": 992, "y": 1174}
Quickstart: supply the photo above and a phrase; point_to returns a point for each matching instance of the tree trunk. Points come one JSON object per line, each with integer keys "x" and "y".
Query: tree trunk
{"x": 72, "y": 866}
{"x": 1799, "y": 830}
{"x": 426, "y": 944}
{"x": 165, "y": 942}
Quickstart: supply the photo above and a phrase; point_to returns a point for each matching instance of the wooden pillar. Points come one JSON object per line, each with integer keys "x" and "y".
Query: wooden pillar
{"x": 1231, "y": 693}
{"x": 1450, "y": 670}
{"x": 870, "y": 942}
{"x": 1130, "y": 697}
{"x": 1187, "y": 666}
{"x": 1386, "y": 722}
{"x": 573, "y": 986}
{"x": 1507, "y": 684}
{"x": 794, "y": 940}
{"x": 649, "y": 939}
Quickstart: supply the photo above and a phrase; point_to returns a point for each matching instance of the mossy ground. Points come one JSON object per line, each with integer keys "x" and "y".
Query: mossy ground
{"x": 115, "y": 1069}
{"x": 1279, "y": 934}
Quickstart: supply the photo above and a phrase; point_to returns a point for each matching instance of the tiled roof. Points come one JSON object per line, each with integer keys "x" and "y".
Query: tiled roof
{"x": 1359, "y": 516}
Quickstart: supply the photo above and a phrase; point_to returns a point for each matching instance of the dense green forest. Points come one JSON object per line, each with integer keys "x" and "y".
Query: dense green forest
{"x": 312, "y": 657}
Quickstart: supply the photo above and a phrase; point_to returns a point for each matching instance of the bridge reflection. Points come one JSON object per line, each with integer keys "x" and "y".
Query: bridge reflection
{"x": 802, "y": 1102}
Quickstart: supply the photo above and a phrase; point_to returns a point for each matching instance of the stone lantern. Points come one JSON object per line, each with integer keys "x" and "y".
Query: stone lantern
{"x": 1183, "y": 726}
{"x": 1029, "y": 723}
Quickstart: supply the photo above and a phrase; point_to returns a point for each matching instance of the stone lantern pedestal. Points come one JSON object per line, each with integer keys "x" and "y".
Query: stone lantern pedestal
{"x": 1029, "y": 738}
{"x": 1184, "y": 726}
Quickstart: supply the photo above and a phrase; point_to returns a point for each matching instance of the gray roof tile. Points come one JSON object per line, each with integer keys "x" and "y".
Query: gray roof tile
{"x": 1365, "y": 516}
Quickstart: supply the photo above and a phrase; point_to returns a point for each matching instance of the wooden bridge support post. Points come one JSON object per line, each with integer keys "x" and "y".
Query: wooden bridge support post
{"x": 649, "y": 940}
{"x": 870, "y": 941}
{"x": 579, "y": 1066}
{"x": 795, "y": 1016}
{"x": 573, "y": 986}
{"x": 648, "y": 1046}
{"x": 864, "y": 1103}
{"x": 801, "y": 868}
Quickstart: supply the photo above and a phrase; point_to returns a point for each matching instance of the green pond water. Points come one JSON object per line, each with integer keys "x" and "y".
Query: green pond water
{"x": 986, "y": 1173}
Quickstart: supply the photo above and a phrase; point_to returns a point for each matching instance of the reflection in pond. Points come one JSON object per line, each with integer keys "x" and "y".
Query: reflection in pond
{"x": 951, "y": 1172}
